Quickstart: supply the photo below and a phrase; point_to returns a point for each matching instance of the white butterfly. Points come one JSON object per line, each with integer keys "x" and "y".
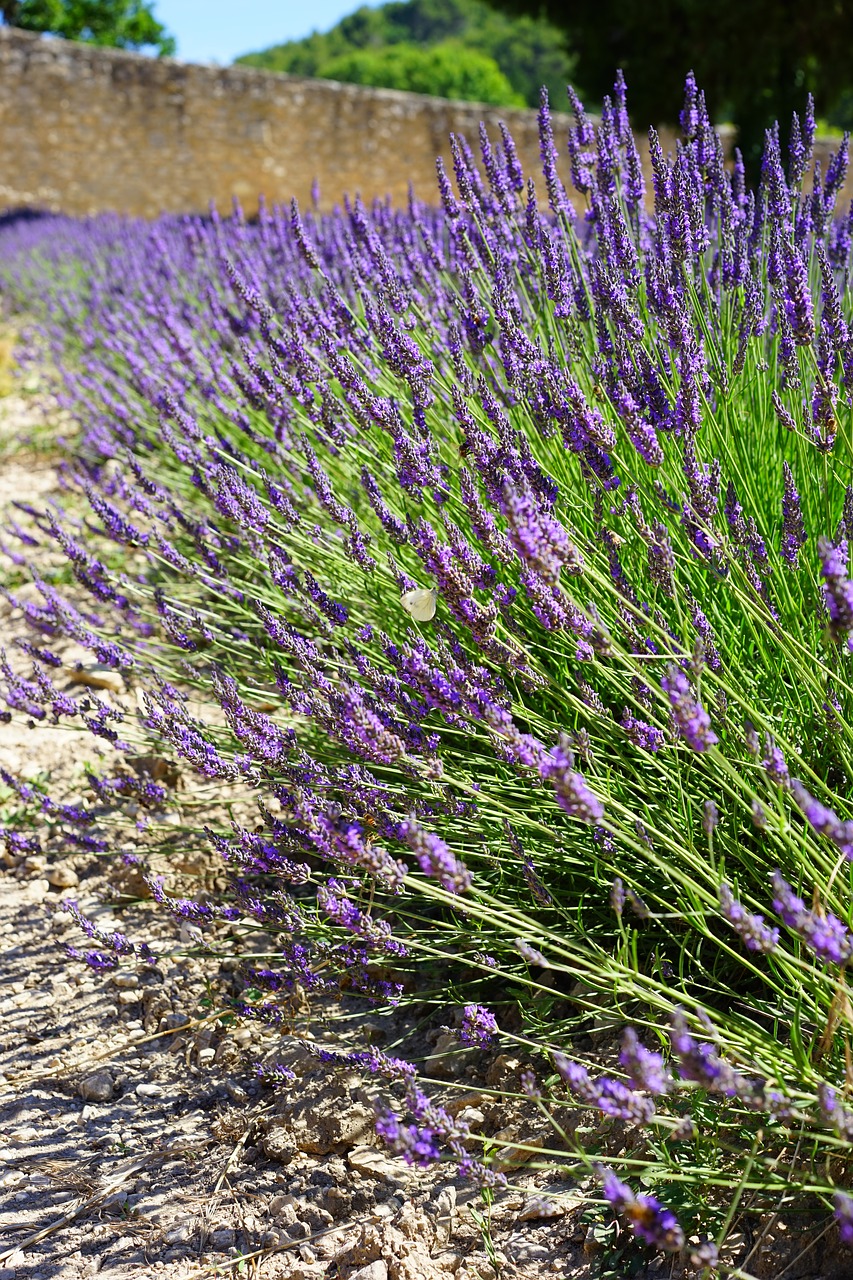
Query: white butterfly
{"x": 420, "y": 603}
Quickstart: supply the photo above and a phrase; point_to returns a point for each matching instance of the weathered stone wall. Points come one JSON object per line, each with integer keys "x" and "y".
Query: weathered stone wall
{"x": 84, "y": 129}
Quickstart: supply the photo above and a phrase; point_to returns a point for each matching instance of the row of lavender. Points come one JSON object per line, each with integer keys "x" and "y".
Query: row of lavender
{"x": 510, "y": 549}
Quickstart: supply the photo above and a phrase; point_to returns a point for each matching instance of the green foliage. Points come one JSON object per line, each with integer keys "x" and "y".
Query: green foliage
{"x": 527, "y": 50}
{"x": 447, "y": 70}
{"x": 122, "y": 24}
{"x": 755, "y": 59}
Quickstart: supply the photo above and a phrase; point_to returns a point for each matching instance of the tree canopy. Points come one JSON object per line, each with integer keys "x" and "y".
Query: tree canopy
{"x": 756, "y": 60}
{"x": 528, "y": 51}
{"x": 448, "y": 70}
{"x": 122, "y": 24}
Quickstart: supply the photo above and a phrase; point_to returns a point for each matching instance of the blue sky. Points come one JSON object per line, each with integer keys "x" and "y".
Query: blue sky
{"x": 220, "y": 30}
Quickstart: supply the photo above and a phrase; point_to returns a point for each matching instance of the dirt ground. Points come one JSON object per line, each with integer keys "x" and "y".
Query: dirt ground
{"x": 136, "y": 1139}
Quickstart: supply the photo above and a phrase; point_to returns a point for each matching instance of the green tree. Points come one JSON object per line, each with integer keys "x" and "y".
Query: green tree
{"x": 755, "y": 59}
{"x": 528, "y": 51}
{"x": 447, "y": 70}
{"x": 122, "y": 24}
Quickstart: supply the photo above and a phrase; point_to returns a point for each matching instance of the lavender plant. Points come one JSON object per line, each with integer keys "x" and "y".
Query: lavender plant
{"x": 612, "y": 770}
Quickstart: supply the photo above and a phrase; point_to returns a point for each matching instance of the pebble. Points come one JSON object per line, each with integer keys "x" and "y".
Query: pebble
{"x": 25, "y": 1135}
{"x": 373, "y": 1271}
{"x": 61, "y": 876}
{"x": 373, "y": 1164}
{"x": 96, "y": 676}
{"x": 149, "y": 1090}
{"x": 125, "y": 981}
{"x": 98, "y": 1087}
{"x": 539, "y": 1209}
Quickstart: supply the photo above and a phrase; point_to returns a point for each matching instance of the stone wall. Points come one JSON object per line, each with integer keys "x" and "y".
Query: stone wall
{"x": 84, "y": 129}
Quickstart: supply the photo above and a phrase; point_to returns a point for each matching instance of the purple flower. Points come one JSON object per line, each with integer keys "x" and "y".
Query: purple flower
{"x": 644, "y": 1068}
{"x": 837, "y": 589}
{"x": 690, "y": 717}
{"x": 823, "y": 933}
{"x": 844, "y": 1216}
{"x": 434, "y": 857}
{"x": 823, "y": 819}
{"x": 756, "y": 935}
{"x": 645, "y": 736}
{"x": 650, "y": 1221}
{"x": 539, "y": 539}
{"x": 530, "y": 953}
{"x": 610, "y": 1096}
{"x": 573, "y": 794}
{"x": 478, "y": 1026}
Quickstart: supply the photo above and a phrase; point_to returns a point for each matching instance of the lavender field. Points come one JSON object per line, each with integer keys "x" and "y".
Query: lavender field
{"x": 498, "y": 550}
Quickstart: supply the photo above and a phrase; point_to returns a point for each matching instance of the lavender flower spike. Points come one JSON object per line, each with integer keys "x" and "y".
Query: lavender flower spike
{"x": 825, "y": 934}
{"x": 650, "y": 1221}
{"x": 645, "y": 1068}
{"x": 837, "y": 590}
{"x": 478, "y": 1026}
{"x": 690, "y": 717}
{"x": 610, "y": 1096}
{"x": 793, "y": 525}
{"x": 756, "y": 935}
{"x": 573, "y": 794}
{"x": 434, "y": 857}
{"x": 824, "y": 820}
{"x": 844, "y": 1216}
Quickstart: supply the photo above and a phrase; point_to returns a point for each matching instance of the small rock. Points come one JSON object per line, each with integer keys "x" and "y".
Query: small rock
{"x": 286, "y": 1208}
{"x": 61, "y": 876}
{"x": 444, "y": 1210}
{"x": 373, "y": 1271}
{"x": 206, "y": 1056}
{"x": 98, "y": 1087}
{"x": 374, "y": 1164}
{"x": 96, "y": 676}
{"x": 448, "y": 1058}
{"x": 126, "y": 981}
{"x": 149, "y": 1090}
{"x": 26, "y": 1135}
{"x": 235, "y": 1091}
{"x": 473, "y": 1117}
{"x": 514, "y": 1156}
{"x": 278, "y": 1143}
{"x": 540, "y": 1209}
{"x": 503, "y": 1067}
{"x": 223, "y": 1238}
{"x": 181, "y": 1234}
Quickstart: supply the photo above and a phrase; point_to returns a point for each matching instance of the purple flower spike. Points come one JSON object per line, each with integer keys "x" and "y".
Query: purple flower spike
{"x": 837, "y": 590}
{"x": 573, "y": 794}
{"x": 434, "y": 857}
{"x": 643, "y": 735}
{"x": 650, "y": 1221}
{"x": 825, "y": 934}
{"x": 610, "y": 1096}
{"x": 844, "y": 1217}
{"x": 755, "y": 934}
{"x": 478, "y": 1026}
{"x": 644, "y": 1068}
{"x": 823, "y": 819}
{"x": 690, "y": 717}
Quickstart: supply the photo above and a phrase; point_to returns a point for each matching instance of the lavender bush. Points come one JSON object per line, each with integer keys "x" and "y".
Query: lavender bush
{"x": 608, "y": 772}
